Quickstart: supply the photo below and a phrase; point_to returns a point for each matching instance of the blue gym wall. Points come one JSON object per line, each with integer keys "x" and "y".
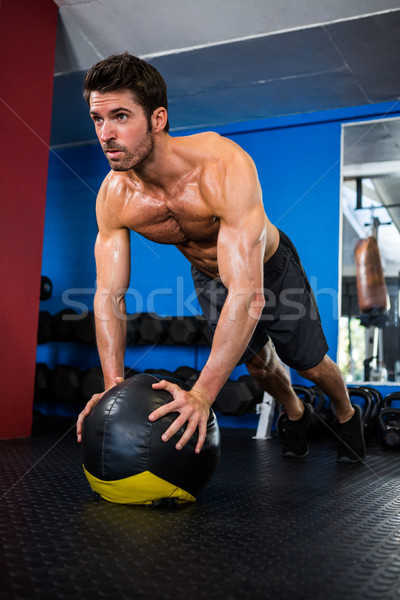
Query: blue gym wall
{"x": 298, "y": 160}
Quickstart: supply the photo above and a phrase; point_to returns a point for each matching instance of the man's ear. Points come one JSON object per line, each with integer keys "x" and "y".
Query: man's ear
{"x": 159, "y": 119}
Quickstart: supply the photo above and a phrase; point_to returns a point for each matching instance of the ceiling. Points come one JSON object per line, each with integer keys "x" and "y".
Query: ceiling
{"x": 228, "y": 61}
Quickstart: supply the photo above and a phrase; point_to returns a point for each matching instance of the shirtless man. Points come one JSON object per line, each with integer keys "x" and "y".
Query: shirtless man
{"x": 202, "y": 194}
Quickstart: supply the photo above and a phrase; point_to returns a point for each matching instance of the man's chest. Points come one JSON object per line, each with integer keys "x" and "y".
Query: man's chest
{"x": 179, "y": 220}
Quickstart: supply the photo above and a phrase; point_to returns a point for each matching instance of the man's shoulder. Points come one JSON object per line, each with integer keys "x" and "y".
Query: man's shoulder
{"x": 211, "y": 141}
{"x": 113, "y": 187}
{"x": 111, "y": 200}
{"x": 213, "y": 152}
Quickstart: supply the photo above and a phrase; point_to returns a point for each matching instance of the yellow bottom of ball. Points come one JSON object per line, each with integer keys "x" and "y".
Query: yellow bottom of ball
{"x": 144, "y": 488}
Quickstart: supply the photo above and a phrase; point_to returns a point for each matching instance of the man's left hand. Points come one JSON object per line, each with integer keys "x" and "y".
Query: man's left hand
{"x": 194, "y": 409}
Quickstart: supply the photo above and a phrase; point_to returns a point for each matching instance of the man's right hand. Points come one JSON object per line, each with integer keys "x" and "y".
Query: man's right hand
{"x": 93, "y": 400}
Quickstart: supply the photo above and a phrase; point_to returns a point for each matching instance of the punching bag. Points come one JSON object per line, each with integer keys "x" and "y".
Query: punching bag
{"x": 371, "y": 286}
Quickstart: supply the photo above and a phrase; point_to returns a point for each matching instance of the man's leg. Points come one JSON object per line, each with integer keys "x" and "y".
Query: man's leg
{"x": 273, "y": 378}
{"x": 327, "y": 376}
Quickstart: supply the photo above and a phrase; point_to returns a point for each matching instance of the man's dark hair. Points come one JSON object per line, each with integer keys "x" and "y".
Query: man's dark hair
{"x": 127, "y": 72}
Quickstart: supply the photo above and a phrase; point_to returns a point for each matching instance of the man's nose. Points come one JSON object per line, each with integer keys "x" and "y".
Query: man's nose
{"x": 107, "y": 132}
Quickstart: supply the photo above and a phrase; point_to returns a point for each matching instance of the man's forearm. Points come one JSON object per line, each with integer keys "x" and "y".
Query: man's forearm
{"x": 110, "y": 318}
{"x": 235, "y": 327}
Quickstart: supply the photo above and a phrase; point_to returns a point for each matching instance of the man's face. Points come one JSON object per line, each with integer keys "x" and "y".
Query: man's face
{"x": 122, "y": 129}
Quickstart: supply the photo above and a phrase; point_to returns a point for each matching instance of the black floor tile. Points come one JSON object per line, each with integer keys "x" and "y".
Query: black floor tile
{"x": 265, "y": 527}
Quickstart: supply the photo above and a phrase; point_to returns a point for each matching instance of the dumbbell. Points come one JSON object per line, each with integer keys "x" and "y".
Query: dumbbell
{"x": 153, "y": 328}
{"x": 160, "y": 372}
{"x": 46, "y": 288}
{"x": 133, "y": 335}
{"x": 64, "y": 325}
{"x": 42, "y": 391}
{"x": 188, "y": 375}
{"x": 130, "y": 372}
{"x": 92, "y": 382}
{"x": 85, "y": 330}
{"x": 256, "y": 391}
{"x": 234, "y": 399}
{"x": 184, "y": 331}
{"x": 45, "y": 327}
{"x": 66, "y": 384}
{"x": 389, "y": 421}
{"x": 206, "y": 336}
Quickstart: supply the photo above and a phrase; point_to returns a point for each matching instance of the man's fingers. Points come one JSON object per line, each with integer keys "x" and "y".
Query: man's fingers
{"x": 84, "y": 414}
{"x": 166, "y": 385}
{"x": 164, "y": 410}
{"x": 172, "y": 388}
{"x": 174, "y": 428}
{"x": 190, "y": 430}
{"x": 202, "y": 436}
{"x": 191, "y": 414}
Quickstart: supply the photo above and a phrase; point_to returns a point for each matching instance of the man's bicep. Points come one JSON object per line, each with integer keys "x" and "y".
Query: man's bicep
{"x": 113, "y": 260}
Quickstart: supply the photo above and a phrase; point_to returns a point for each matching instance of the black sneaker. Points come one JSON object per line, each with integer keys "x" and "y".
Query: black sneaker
{"x": 351, "y": 445}
{"x": 295, "y": 435}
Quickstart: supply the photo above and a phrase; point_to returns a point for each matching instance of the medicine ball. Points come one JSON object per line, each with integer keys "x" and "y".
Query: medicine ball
{"x": 124, "y": 457}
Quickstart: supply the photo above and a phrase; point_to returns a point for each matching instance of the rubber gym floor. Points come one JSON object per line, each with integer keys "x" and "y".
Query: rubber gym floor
{"x": 265, "y": 527}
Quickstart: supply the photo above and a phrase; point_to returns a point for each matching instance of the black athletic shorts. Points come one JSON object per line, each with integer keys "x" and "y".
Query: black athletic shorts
{"x": 290, "y": 317}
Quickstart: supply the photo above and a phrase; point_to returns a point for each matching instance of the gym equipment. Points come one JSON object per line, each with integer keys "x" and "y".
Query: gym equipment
{"x": 65, "y": 325}
{"x": 255, "y": 390}
{"x": 371, "y": 286}
{"x": 66, "y": 384}
{"x": 133, "y": 336}
{"x": 313, "y": 396}
{"x": 323, "y": 417}
{"x": 188, "y": 375}
{"x": 389, "y": 421}
{"x": 141, "y": 328}
{"x": 124, "y": 458}
{"x": 153, "y": 328}
{"x": 206, "y": 337}
{"x": 234, "y": 398}
{"x": 129, "y": 372}
{"x": 45, "y": 327}
{"x": 161, "y": 373}
{"x": 42, "y": 391}
{"x": 323, "y": 424}
{"x": 92, "y": 382}
{"x": 390, "y": 398}
{"x": 85, "y": 331}
{"x": 360, "y": 393}
{"x": 307, "y": 394}
{"x": 372, "y": 423}
{"x": 46, "y": 288}
{"x": 184, "y": 331}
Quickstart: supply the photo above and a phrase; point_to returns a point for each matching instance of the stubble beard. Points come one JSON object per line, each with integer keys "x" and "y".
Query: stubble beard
{"x": 132, "y": 160}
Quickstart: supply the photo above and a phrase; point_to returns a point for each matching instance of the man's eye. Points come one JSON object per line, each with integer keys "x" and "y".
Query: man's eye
{"x": 96, "y": 120}
{"x": 122, "y": 117}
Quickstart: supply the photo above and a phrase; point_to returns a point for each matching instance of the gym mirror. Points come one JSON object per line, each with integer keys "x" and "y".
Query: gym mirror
{"x": 369, "y": 328}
